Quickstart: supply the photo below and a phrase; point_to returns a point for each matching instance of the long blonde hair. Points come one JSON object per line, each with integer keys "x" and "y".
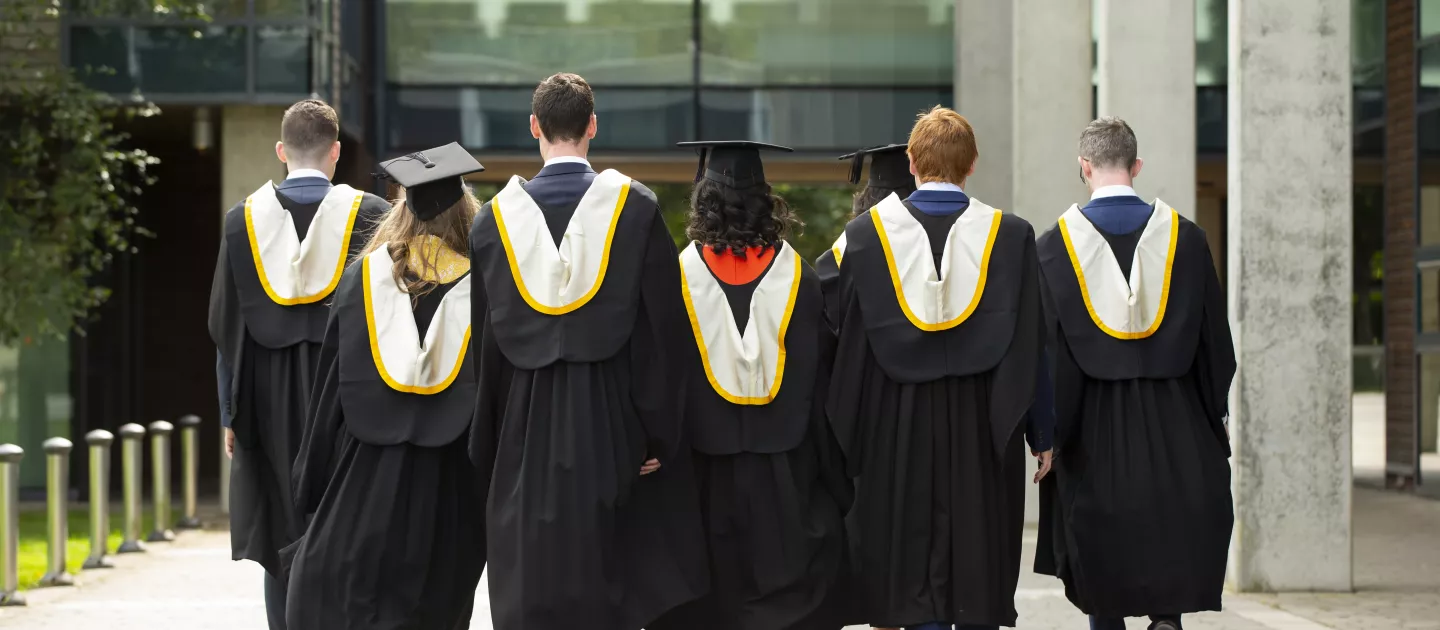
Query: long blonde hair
{"x": 402, "y": 230}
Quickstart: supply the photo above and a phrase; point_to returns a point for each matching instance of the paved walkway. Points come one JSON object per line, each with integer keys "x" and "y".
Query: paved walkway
{"x": 192, "y": 584}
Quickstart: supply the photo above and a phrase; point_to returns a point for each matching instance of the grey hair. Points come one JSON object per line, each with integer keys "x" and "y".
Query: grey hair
{"x": 1108, "y": 143}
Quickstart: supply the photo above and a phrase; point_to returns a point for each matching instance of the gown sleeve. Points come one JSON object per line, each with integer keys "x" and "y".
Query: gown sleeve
{"x": 851, "y": 355}
{"x": 829, "y": 273}
{"x": 1014, "y": 378}
{"x": 324, "y": 420}
{"x": 1215, "y": 359}
{"x": 822, "y": 434}
{"x": 656, "y": 345}
{"x": 493, "y": 373}
{"x": 227, "y": 331}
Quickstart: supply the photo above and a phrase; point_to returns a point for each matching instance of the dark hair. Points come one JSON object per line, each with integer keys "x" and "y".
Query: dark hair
{"x": 563, "y": 105}
{"x": 308, "y": 129}
{"x": 867, "y": 197}
{"x": 1108, "y": 143}
{"x": 723, "y": 217}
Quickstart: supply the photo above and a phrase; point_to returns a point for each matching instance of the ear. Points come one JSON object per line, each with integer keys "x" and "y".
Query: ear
{"x": 335, "y": 152}
{"x": 534, "y": 127}
{"x": 591, "y": 128}
{"x": 912, "y": 166}
{"x": 280, "y": 151}
{"x": 1085, "y": 170}
{"x": 971, "y": 171}
{"x": 1135, "y": 169}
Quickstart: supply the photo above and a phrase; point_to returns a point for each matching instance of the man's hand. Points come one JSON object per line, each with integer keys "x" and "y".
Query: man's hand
{"x": 229, "y": 443}
{"x": 1046, "y": 459}
{"x": 650, "y": 466}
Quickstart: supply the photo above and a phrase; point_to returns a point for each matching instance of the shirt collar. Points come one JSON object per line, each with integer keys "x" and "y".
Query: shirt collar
{"x": 1113, "y": 191}
{"x": 306, "y": 172}
{"x": 947, "y": 186}
{"x": 570, "y": 159}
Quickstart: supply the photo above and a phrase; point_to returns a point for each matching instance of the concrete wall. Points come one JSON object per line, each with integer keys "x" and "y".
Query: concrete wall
{"x": 983, "y": 51}
{"x": 1051, "y": 96}
{"x": 247, "y": 147}
{"x": 1146, "y": 63}
{"x": 1290, "y": 248}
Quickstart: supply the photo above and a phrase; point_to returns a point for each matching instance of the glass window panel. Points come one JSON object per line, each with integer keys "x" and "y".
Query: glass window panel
{"x": 1210, "y": 120}
{"x": 146, "y": 8}
{"x": 837, "y": 42}
{"x": 282, "y": 59}
{"x": 35, "y": 401}
{"x": 507, "y": 42}
{"x": 1212, "y": 56}
{"x": 1429, "y": 70}
{"x": 1429, "y": 17}
{"x": 1429, "y": 298}
{"x": 280, "y": 8}
{"x": 1368, "y": 264}
{"x": 1428, "y": 230}
{"x": 1367, "y": 42}
{"x": 817, "y": 119}
{"x": 1429, "y": 415}
{"x": 163, "y": 59}
{"x": 499, "y": 118}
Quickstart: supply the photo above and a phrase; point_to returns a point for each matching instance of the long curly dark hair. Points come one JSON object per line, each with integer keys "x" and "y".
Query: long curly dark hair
{"x": 727, "y": 218}
{"x": 867, "y": 197}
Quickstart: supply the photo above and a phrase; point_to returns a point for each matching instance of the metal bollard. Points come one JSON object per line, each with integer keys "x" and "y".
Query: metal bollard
{"x": 10, "y": 456}
{"x": 189, "y": 470}
{"x": 131, "y": 447}
{"x": 99, "y": 441}
{"x": 160, "y": 431}
{"x": 224, "y": 476}
{"x": 57, "y": 508}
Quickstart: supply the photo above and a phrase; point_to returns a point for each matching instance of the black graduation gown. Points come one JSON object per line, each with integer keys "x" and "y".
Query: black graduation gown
{"x": 271, "y": 352}
{"x": 828, "y": 271}
{"x": 570, "y": 406}
{"x": 928, "y": 424}
{"x": 773, "y": 489}
{"x": 1136, "y": 516}
{"x": 395, "y": 536}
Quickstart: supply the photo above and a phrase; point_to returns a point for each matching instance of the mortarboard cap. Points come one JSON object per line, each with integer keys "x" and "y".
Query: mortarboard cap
{"x": 732, "y": 162}
{"x": 433, "y": 178}
{"x": 889, "y": 166}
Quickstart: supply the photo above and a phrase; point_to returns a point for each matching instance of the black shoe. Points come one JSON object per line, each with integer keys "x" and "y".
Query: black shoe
{"x": 1165, "y": 624}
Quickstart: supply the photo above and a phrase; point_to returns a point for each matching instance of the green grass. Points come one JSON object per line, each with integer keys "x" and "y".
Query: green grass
{"x": 33, "y": 555}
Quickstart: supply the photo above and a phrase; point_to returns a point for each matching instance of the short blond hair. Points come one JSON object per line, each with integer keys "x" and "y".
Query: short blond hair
{"x": 942, "y": 146}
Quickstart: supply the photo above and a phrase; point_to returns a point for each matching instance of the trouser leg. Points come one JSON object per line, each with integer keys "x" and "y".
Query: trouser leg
{"x": 275, "y": 601}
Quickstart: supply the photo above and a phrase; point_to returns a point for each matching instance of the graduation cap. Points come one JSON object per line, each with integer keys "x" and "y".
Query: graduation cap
{"x": 732, "y": 162}
{"x": 889, "y": 166}
{"x": 433, "y": 178}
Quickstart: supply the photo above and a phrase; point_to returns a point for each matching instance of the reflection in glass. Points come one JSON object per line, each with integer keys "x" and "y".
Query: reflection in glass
{"x": 1367, "y": 42}
{"x": 515, "y": 42}
{"x": 1368, "y": 265}
{"x": 282, "y": 59}
{"x": 280, "y": 8}
{"x": 1428, "y": 229}
{"x": 35, "y": 401}
{"x": 146, "y": 8}
{"x": 1212, "y": 58}
{"x": 163, "y": 59}
{"x": 500, "y": 118}
{"x": 837, "y": 42}
{"x": 1429, "y": 411}
{"x": 1428, "y": 296}
{"x": 818, "y": 119}
{"x": 1429, "y": 17}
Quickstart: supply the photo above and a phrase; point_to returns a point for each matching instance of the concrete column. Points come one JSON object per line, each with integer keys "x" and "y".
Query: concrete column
{"x": 1146, "y": 63}
{"x": 983, "y": 94}
{"x": 1051, "y": 103}
{"x": 1289, "y": 248}
{"x": 247, "y": 144}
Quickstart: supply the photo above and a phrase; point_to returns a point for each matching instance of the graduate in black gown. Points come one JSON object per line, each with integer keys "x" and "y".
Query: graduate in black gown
{"x": 1137, "y": 518}
{"x": 889, "y": 175}
{"x": 592, "y": 519}
{"x": 281, "y": 255}
{"x": 773, "y": 489}
{"x": 396, "y": 536}
{"x": 940, "y": 334}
